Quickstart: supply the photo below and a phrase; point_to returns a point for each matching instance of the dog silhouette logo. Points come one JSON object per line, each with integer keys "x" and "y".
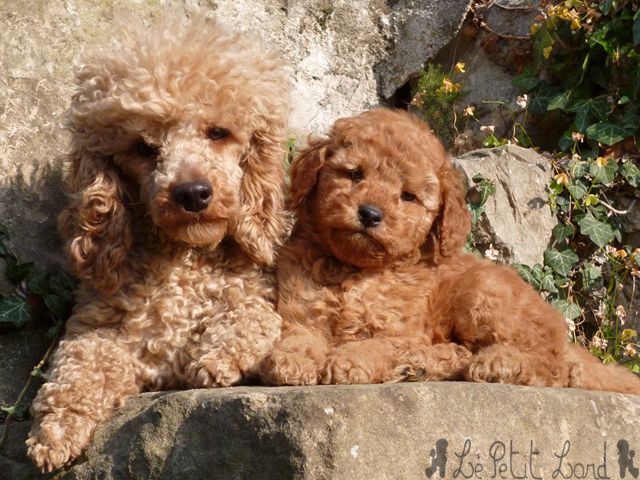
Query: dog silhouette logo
{"x": 625, "y": 459}
{"x": 438, "y": 458}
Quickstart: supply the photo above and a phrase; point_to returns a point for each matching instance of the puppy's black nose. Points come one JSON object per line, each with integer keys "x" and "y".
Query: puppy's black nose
{"x": 369, "y": 215}
{"x": 193, "y": 196}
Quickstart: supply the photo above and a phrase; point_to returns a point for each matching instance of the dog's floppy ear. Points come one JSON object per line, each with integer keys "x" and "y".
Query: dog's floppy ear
{"x": 261, "y": 224}
{"x": 305, "y": 168}
{"x": 452, "y": 226}
{"x": 95, "y": 224}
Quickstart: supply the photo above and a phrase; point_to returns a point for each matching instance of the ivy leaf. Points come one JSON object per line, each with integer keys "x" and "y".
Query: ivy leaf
{"x": 540, "y": 99}
{"x": 528, "y": 275}
{"x": 599, "y": 232}
{"x": 14, "y": 310}
{"x": 563, "y": 231}
{"x": 560, "y": 262}
{"x": 38, "y": 283}
{"x": 570, "y": 310}
{"x": 16, "y": 272}
{"x": 588, "y": 110}
{"x": 57, "y": 306}
{"x": 577, "y": 189}
{"x": 547, "y": 283}
{"x": 630, "y": 172}
{"x": 604, "y": 173}
{"x": 559, "y": 101}
{"x": 590, "y": 276}
{"x": 610, "y": 133}
{"x": 526, "y": 81}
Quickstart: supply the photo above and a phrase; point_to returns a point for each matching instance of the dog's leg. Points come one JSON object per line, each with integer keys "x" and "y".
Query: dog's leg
{"x": 232, "y": 345}
{"x": 516, "y": 336}
{"x": 393, "y": 359}
{"x": 297, "y": 358}
{"x": 91, "y": 375}
{"x": 501, "y": 363}
{"x": 443, "y": 361}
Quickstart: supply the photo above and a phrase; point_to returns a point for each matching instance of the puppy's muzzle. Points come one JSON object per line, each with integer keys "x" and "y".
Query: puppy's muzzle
{"x": 370, "y": 216}
{"x": 193, "y": 196}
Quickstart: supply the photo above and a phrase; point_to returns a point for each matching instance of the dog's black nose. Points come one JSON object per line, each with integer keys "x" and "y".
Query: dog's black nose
{"x": 193, "y": 196}
{"x": 369, "y": 215}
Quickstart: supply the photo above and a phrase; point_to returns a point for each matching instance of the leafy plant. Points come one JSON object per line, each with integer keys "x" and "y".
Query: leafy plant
{"x": 38, "y": 299}
{"x": 435, "y": 95}
{"x": 37, "y": 296}
{"x": 587, "y": 65}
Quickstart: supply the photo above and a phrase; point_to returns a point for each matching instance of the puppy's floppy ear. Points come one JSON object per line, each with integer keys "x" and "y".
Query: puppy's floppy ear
{"x": 262, "y": 221}
{"x": 95, "y": 224}
{"x": 305, "y": 168}
{"x": 449, "y": 233}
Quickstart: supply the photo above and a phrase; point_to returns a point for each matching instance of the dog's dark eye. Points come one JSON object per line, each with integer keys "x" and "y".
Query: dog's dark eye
{"x": 143, "y": 149}
{"x": 217, "y": 133}
{"x": 407, "y": 196}
{"x": 357, "y": 175}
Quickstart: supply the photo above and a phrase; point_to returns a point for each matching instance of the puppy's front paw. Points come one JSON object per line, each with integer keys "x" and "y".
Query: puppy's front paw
{"x": 288, "y": 368}
{"x": 496, "y": 365}
{"x": 342, "y": 368}
{"x": 59, "y": 439}
{"x": 444, "y": 361}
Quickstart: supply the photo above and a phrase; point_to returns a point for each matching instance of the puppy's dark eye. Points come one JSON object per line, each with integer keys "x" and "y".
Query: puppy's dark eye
{"x": 407, "y": 196}
{"x": 143, "y": 149}
{"x": 217, "y": 133}
{"x": 357, "y": 175}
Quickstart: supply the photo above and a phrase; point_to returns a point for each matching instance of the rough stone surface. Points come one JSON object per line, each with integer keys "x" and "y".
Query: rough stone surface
{"x": 332, "y": 48}
{"x": 365, "y": 432}
{"x": 517, "y": 220}
{"x": 19, "y": 353}
{"x": 419, "y": 29}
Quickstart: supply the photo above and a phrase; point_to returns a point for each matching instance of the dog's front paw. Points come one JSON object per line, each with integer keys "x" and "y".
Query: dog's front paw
{"x": 217, "y": 369}
{"x": 444, "y": 361}
{"x": 288, "y": 368}
{"x": 496, "y": 364}
{"x": 59, "y": 439}
{"x": 342, "y": 368}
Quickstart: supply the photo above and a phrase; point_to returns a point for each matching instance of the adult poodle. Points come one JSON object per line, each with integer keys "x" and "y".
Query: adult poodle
{"x": 176, "y": 203}
{"x": 374, "y": 285}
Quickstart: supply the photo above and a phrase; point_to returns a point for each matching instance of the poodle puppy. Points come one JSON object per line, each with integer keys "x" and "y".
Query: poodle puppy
{"x": 176, "y": 206}
{"x": 374, "y": 285}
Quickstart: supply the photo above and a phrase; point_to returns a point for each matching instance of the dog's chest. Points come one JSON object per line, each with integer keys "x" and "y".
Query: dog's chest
{"x": 382, "y": 303}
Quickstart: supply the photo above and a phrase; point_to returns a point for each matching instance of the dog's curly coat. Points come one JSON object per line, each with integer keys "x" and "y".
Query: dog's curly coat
{"x": 374, "y": 286}
{"x": 176, "y": 202}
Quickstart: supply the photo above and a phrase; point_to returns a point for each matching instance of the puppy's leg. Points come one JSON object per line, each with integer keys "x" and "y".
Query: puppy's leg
{"x": 91, "y": 375}
{"x": 501, "y": 363}
{"x": 297, "y": 358}
{"x": 379, "y": 360}
{"x": 517, "y": 337}
{"x": 443, "y": 361}
{"x": 232, "y": 345}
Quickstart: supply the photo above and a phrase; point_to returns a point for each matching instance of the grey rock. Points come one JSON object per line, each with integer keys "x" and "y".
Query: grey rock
{"x": 14, "y": 464}
{"x": 19, "y": 353}
{"x": 517, "y": 220}
{"x": 419, "y": 29}
{"x": 363, "y": 432}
